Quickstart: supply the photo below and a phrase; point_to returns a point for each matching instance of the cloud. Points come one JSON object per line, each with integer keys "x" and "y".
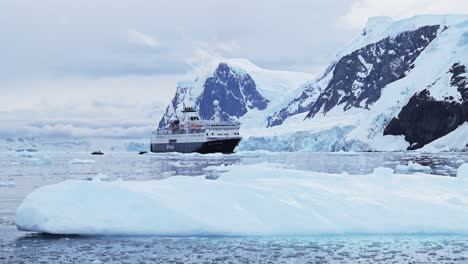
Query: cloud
{"x": 360, "y": 10}
{"x": 70, "y": 129}
{"x": 157, "y": 36}
{"x": 142, "y": 39}
{"x": 73, "y": 106}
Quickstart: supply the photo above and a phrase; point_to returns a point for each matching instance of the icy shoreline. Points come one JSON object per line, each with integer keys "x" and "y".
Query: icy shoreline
{"x": 263, "y": 199}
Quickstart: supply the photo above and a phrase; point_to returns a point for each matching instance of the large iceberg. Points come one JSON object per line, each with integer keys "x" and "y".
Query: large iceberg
{"x": 261, "y": 199}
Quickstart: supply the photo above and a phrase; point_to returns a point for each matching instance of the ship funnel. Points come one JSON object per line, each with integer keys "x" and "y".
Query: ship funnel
{"x": 217, "y": 111}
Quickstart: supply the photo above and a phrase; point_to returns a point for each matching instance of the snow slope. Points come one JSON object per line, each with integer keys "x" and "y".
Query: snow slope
{"x": 262, "y": 199}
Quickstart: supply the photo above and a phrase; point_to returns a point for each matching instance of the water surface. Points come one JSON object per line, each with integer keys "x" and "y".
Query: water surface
{"x": 29, "y": 173}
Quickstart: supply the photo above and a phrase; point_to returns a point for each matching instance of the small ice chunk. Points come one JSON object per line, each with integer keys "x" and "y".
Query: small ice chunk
{"x": 82, "y": 161}
{"x": 24, "y": 154}
{"x": 412, "y": 166}
{"x": 98, "y": 177}
{"x": 178, "y": 164}
{"x": 9, "y": 183}
{"x": 169, "y": 173}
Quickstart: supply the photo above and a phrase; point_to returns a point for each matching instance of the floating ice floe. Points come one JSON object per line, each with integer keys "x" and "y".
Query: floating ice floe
{"x": 98, "y": 177}
{"x": 252, "y": 200}
{"x": 9, "y": 183}
{"x": 413, "y": 166}
{"x": 82, "y": 161}
{"x": 24, "y": 154}
{"x": 30, "y": 158}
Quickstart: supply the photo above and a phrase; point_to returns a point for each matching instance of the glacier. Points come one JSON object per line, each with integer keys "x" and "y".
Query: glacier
{"x": 253, "y": 200}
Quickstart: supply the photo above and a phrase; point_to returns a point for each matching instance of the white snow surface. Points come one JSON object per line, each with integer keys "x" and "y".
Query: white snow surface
{"x": 261, "y": 199}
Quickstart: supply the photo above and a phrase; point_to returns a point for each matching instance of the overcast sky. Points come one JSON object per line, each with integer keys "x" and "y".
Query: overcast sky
{"x": 94, "y": 67}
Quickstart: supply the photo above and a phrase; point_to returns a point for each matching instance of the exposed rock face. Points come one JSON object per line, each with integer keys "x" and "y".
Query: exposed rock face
{"x": 359, "y": 77}
{"x": 235, "y": 91}
{"x": 460, "y": 80}
{"x": 179, "y": 97}
{"x": 424, "y": 119}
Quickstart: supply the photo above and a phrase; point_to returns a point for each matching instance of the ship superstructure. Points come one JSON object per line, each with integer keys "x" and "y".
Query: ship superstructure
{"x": 189, "y": 133}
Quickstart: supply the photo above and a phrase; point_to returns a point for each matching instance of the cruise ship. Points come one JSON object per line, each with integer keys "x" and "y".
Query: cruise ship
{"x": 189, "y": 134}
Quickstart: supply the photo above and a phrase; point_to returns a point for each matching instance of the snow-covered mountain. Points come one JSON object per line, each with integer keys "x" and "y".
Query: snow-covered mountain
{"x": 398, "y": 85}
{"x": 245, "y": 92}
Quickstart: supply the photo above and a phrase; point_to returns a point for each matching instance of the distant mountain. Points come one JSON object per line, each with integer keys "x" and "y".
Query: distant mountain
{"x": 234, "y": 89}
{"x": 245, "y": 92}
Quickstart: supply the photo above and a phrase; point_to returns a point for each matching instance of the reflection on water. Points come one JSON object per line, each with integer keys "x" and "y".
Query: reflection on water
{"x": 29, "y": 173}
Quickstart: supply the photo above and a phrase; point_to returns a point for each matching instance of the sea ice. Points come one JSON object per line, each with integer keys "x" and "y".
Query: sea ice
{"x": 412, "y": 166}
{"x": 261, "y": 199}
